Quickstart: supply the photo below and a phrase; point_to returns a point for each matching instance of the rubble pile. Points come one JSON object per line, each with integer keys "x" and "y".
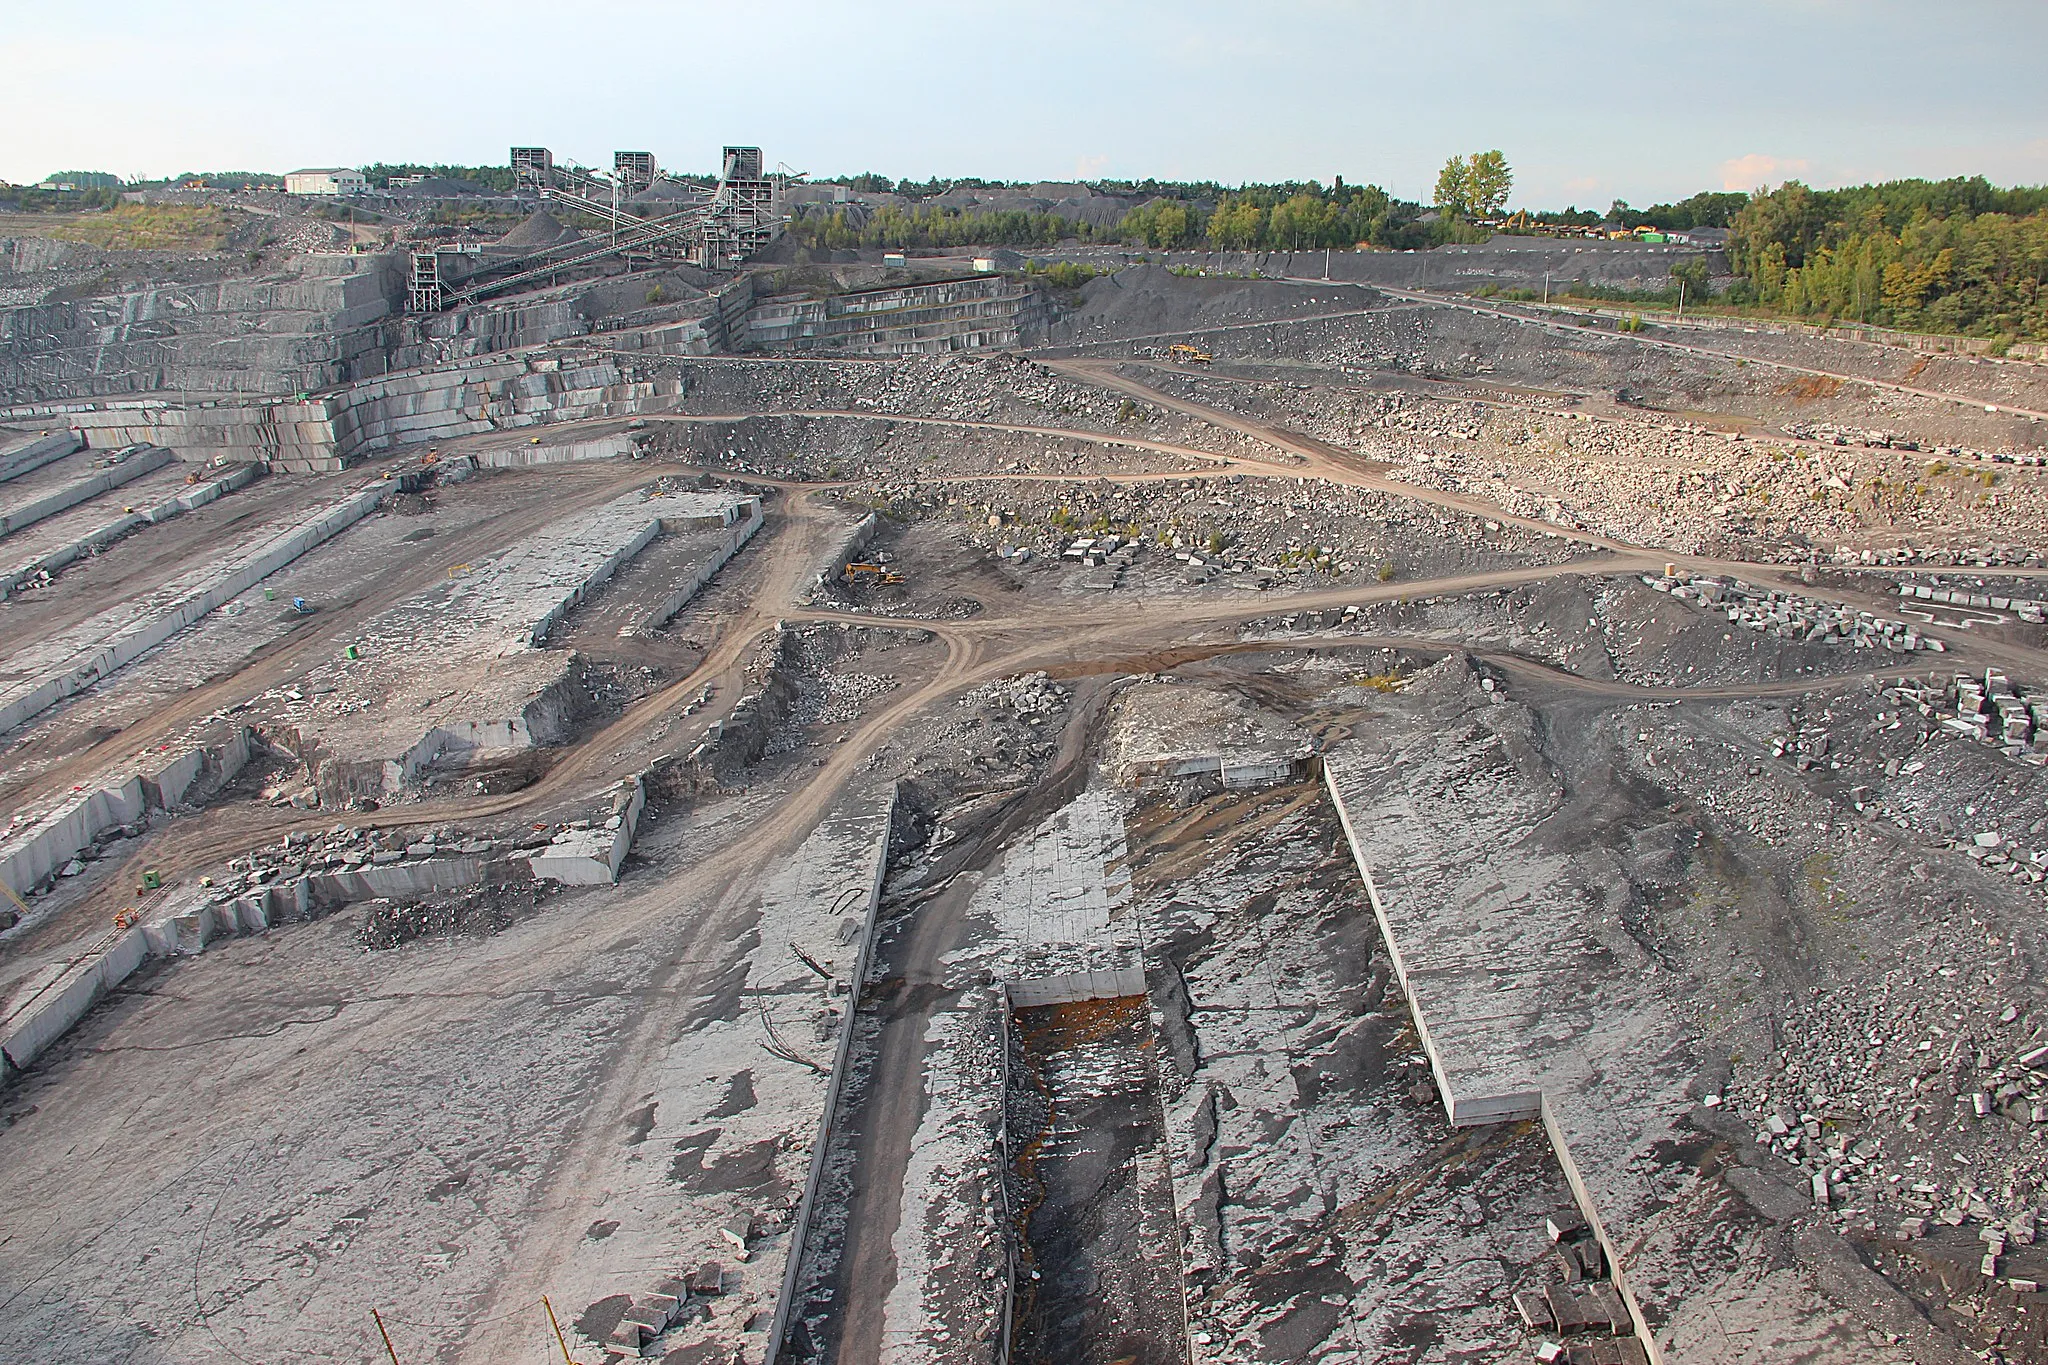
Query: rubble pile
{"x": 341, "y": 849}
{"x": 1028, "y": 695}
{"x": 1258, "y": 531}
{"x": 839, "y": 698}
{"x": 1650, "y": 481}
{"x": 1827, "y": 433}
{"x": 2028, "y": 609}
{"x": 2016, "y": 556}
{"x": 1988, "y": 708}
{"x": 1584, "y": 1310}
{"x": 835, "y": 448}
{"x": 477, "y": 911}
{"x": 1793, "y": 617}
{"x": 966, "y": 387}
{"x": 1921, "y": 1101}
{"x": 814, "y": 663}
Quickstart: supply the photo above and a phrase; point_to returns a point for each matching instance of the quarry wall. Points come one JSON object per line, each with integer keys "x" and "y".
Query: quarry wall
{"x": 325, "y": 432}
{"x": 319, "y": 325}
{"x": 917, "y": 319}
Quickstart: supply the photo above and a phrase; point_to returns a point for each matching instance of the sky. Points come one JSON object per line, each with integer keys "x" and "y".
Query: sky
{"x": 1591, "y": 100}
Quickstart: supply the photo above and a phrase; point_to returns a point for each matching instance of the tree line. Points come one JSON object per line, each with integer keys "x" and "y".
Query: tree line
{"x": 1940, "y": 256}
{"x": 1287, "y": 217}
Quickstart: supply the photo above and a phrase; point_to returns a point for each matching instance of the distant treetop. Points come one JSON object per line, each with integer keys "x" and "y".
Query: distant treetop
{"x": 85, "y": 180}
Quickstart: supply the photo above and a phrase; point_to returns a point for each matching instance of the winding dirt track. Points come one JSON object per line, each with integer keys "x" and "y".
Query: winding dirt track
{"x": 1055, "y": 637}
{"x": 703, "y": 909}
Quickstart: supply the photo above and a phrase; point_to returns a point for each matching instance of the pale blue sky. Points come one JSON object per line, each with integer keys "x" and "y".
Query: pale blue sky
{"x": 1590, "y": 99}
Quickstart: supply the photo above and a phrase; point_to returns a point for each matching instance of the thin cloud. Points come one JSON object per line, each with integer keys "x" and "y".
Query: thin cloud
{"x": 1748, "y": 172}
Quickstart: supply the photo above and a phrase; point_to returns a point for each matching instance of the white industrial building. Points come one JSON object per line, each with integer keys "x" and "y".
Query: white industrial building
{"x": 326, "y": 180}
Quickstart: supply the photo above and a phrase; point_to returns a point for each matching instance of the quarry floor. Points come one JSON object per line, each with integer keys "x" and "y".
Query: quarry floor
{"x": 241, "y": 1154}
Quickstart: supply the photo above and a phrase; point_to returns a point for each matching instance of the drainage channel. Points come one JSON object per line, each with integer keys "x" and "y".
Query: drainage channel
{"x": 1097, "y": 1270}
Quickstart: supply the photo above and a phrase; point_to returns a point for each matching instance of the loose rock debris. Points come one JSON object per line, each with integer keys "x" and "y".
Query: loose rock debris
{"x": 1132, "y": 616}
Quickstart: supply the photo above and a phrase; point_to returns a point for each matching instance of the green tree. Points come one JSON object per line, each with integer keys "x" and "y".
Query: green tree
{"x": 1487, "y": 183}
{"x": 1163, "y": 223}
{"x": 1693, "y": 275}
{"x": 1942, "y": 256}
{"x": 1474, "y": 186}
{"x": 1453, "y": 188}
{"x": 1302, "y": 222}
{"x": 1237, "y": 224}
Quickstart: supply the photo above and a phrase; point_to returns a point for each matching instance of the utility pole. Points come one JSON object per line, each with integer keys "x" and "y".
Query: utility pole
{"x": 1326, "y": 263}
{"x": 1681, "y": 298}
{"x": 1546, "y": 289}
{"x": 384, "y": 1334}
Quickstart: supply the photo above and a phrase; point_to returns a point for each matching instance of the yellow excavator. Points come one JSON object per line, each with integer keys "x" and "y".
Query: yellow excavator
{"x": 1192, "y": 355}
{"x": 873, "y": 573}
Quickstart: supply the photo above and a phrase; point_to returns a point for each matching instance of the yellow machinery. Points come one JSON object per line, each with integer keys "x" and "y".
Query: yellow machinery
{"x": 1194, "y": 355}
{"x": 874, "y": 573}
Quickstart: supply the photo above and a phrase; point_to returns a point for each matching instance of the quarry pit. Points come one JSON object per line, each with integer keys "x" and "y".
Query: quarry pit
{"x": 804, "y": 807}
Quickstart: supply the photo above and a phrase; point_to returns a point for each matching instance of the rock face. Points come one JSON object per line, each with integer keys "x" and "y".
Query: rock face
{"x": 332, "y": 431}
{"x": 316, "y": 326}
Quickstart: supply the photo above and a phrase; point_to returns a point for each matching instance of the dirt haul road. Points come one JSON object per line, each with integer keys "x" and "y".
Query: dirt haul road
{"x": 1053, "y": 637}
{"x": 793, "y": 555}
{"x": 686, "y": 922}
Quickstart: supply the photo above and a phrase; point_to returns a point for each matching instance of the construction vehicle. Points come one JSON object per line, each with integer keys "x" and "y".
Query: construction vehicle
{"x": 874, "y": 573}
{"x": 1193, "y": 355}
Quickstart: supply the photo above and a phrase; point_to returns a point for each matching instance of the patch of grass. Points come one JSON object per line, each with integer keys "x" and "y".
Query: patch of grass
{"x": 151, "y": 227}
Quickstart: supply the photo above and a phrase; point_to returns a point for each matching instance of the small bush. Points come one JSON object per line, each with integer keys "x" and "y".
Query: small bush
{"x": 1063, "y": 274}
